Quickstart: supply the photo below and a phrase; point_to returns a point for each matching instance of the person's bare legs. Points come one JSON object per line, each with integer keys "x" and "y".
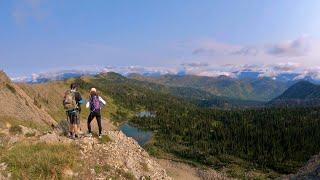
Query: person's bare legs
{"x": 74, "y": 129}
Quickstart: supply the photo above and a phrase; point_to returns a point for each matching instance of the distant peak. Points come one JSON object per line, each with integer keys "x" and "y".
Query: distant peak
{"x": 110, "y": 75}
{"x": 303, "y": 84}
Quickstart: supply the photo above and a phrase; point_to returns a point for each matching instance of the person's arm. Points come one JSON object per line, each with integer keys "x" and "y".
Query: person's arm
{"x": 78, "y": 98}
{"x": 88, "y": 104}
{"x": 102, "y": 101}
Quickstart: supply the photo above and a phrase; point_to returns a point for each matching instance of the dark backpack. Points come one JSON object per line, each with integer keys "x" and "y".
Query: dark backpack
{"x": 95, "y": 104}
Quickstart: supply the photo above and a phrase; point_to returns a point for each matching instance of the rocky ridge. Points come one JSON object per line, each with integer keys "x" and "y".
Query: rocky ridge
{"x": 117, "y": 157}
{"x": 19, "y": 105}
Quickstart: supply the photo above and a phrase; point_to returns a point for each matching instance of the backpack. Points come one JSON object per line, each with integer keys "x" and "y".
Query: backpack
{"x": 70, "y": 102}
{"x": 95, "y": 104}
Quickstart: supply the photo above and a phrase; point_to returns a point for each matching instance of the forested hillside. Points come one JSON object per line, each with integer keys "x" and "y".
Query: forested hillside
{"x": 271, "y": 141}
{"x": 280, "y": 139}
{"x": 302, "y": 93}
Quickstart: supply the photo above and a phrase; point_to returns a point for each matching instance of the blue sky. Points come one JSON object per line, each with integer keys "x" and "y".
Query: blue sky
{"x": 42, "y": 35}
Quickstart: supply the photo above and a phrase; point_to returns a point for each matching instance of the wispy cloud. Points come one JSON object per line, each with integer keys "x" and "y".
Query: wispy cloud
{"x": 25, "y": 10}
{"x": 303, "y": 50}
{"x": 195, "y": 64}
{"x": 297, "y": 47}
{"x": 211, "y": 47}
{"x": 246, "y": 51}
{"x": 285, "y": 67}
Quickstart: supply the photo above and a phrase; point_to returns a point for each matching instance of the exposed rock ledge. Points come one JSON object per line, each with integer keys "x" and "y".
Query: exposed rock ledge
{"x": 120, "y": 156}
{"x": 122, "y": 153}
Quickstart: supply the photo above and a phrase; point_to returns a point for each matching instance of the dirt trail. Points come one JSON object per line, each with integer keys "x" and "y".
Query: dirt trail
{"x": 182, "y": 171}
{"x": 179, "y": 171}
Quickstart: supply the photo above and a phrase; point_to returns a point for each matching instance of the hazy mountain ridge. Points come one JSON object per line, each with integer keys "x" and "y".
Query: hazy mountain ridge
{"x": 262, "y": 89}
{"x": 277, "y": 72}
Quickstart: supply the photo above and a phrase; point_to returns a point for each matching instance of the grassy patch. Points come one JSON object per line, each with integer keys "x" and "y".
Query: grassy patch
{"x": 126, "y": 175}
{"x": 16, "y": 129}
{"x": 105, "y": 139}
{"x": 40, "y": 161}
{"x": 30, "y": 134}
{"x": 100, "y": 169}
{"x": 154, "y": 150}
{"x": 2, "y": 140}
{"x": 144, "y": 166}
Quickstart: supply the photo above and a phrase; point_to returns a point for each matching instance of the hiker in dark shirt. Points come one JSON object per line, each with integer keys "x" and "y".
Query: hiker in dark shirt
{"x": 95, "y": 104}
{"x": 72, "y": 103}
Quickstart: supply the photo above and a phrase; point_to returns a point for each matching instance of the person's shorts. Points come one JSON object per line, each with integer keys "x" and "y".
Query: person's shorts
{"x": 74, "y": 118}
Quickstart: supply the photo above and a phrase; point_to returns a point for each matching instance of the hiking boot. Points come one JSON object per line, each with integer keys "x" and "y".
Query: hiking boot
{"x": 100, "y": 136}
{"x": 69, "y": 135}
{"x": 89, "y": 135}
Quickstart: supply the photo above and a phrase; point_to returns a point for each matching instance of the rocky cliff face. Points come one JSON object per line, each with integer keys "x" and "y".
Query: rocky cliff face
{"x": 16, "y": 104}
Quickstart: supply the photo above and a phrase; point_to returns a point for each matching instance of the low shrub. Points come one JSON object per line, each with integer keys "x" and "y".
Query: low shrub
{"x": 11, "y": 88}
{"x": 105, "y": 139}
{"x": 16, "y": 129}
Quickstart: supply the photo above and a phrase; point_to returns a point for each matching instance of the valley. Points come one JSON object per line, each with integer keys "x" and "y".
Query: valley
{"x": 231, "y": 139}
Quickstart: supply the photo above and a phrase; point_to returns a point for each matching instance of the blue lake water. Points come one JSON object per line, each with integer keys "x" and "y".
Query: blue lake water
{"x": 141, "y": 136}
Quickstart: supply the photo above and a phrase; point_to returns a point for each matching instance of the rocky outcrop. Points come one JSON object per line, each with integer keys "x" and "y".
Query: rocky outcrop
{"x": 113, "y": 156}
{"x": 310, "y": 171}
{"x": 121, "y": 155}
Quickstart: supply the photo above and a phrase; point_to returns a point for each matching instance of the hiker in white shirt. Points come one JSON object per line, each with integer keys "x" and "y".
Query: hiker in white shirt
{"x": 95, "y": 104}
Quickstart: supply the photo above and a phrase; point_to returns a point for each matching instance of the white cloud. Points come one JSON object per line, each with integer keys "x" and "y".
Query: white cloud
{"x": 302, "y": 50}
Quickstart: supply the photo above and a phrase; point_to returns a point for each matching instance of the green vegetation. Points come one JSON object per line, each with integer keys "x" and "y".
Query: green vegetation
{"x": 102, "y": 168}
{"x": 16, "y": 129}
{"x": 144, "y": 166}
{"x": 280, "y": 139}
{"x": 300, "y": 94}
{"x": 269, "y": 139}
{"x": 30, "y": 134}
{"x": 262, "y": 142}
{"x": 104, "y": 139}
{"x": 126, "y": 175}
{"x": 40, "y": 161}
{"x": 263, "y": 89}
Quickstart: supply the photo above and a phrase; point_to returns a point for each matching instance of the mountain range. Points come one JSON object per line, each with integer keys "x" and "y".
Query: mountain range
{"x": 277, "y": 72}
{"x": 182, "y": 116}
{"x": 262, "y": 89}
